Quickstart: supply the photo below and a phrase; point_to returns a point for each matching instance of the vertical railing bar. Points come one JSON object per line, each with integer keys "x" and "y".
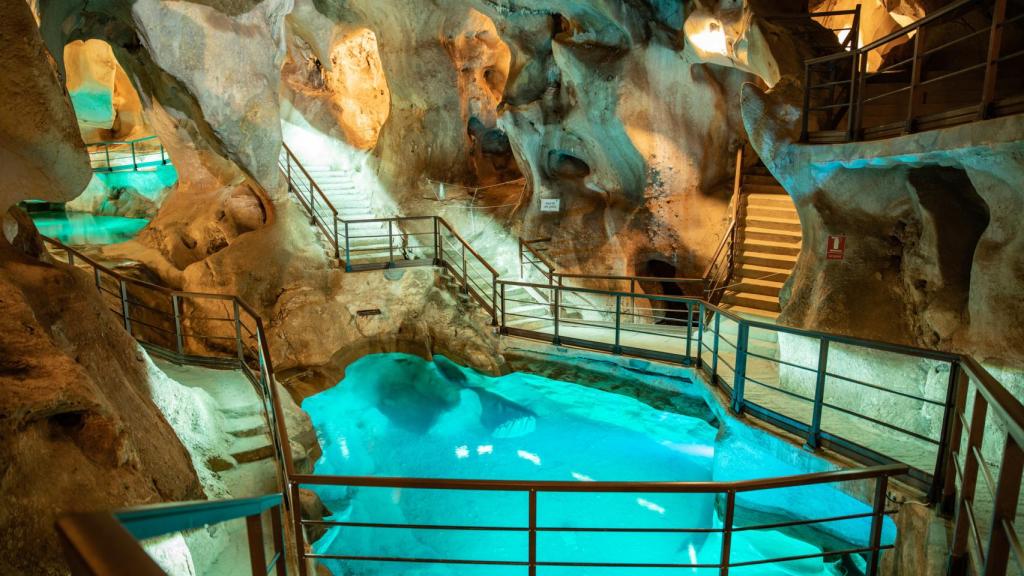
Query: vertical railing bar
{"x": 337, "y": 242}
{"x": 348, "y": 249}
{"x": 135, "y": 163}
{"x": 995, "y": 40}
{"x": 532, "y": 561}
{"x": 915, "y": 80}
{"x": 257, "y": 555}
{"x": 727, "y": 525}
{"x": 557, "y": 296}
{"x": 689, "y": 334}
{"x": 958, "y": 384}
{"x": 391, "y": 243}
{"x": 465, "y": 270}
{"x": 805, "y": 118}
{"x": 617, "y": 348}
{"x": 740, "y": 376}
{"x": 178, "y": 334}
{"x": 503, "y": 318}
{"x": 701, "y": 311}
{"x": 124, "y": 305}
{"x": 300, "y": 545}
{"x": 714, "y": 349}
{"x": 877, "y": 522}
{"x": 814, "y": 434}
{"x": 494, "y": 299}
{"x": 238, "y": 332}
{"x": 962, "y": 526}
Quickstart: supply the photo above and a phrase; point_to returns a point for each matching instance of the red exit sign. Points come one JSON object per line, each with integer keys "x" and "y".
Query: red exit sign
{"x": 836, "y": 249}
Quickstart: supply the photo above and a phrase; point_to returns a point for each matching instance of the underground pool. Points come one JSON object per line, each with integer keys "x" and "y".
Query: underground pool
{"x": 79, "y": 228}
{"x": 397, "y": 415}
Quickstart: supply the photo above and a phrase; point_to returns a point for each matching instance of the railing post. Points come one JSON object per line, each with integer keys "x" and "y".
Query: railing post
{"x": 135, "y": 163}
{"x": 861, "y": 62}
{"x": 558, "y": 293}
{"x": 178, "y": 335}
{"x": 688, "y": 360}
{"x": 877, "y": 522}
{"x": 851, "y": 112}
{"x": 805, "y": 117}
{"x": 437, "y": 244}
{"x": 348, "y": 249}
{"x": 532, "y": 561}
{"x": 465, "y": 270}
{"x": 730, "y": 510}
{"x": 106, "y": 148}
{"x": 714, "y": 349}
{"x": 700, "y": 335}
{"x": 124, "y": 306}
{"x": 494, "y": 298}
{"x": 522, "y": 267}
{"x": 391, "y": 243}
{"x": 440, "y": 243}
{"x": 300, "y": 544}
{"x": 503, "y": 319}
{"x": 238, "y": 333}
{"x": 915, "y": 80}
{"x": 337, "y": 242}
{"x": 814, "y": 434}
{"x": 995, "y": 41}
{"x": 958, "y": 382}
{"x": 617, "y": 348}
{"x": 740, "y": 375}
{"x": 257, "y": 556}
{"x": 163, "y": 155}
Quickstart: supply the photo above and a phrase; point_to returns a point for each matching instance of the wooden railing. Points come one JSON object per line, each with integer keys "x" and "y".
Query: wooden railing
{"x": 950, "y": 67}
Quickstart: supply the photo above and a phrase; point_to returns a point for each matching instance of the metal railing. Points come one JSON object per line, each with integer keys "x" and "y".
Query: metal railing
{"x": 810, "y": 383}
{"x": 869, "y": 518}
{"x": 130, "y": 155}
{"x": 322, "y": 214}
{"x": 107, "y": 544}
{"x": 923, "y": 80}
{"x": 987, "y": 441}
{"x": 215, "y": 330}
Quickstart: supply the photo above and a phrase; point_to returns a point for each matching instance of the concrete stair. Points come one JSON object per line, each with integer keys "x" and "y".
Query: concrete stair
{"x": 768, "y": 244}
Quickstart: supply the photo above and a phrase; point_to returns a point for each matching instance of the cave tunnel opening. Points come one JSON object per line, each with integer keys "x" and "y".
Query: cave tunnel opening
{"x": 670, "y": 313}
{"x": 954, "y": 218}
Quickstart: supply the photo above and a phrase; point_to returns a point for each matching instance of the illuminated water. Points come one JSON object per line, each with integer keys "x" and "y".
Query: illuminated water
{"x": 78, "y": 228}
{"x": 399, "y": 415}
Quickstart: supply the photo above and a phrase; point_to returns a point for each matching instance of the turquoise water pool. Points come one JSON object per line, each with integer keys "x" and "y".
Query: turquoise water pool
{"x": 79, "y": 228}
{"x": 399, "y": 415}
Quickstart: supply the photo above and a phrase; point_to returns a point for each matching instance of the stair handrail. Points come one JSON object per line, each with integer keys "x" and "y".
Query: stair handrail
{"x": 526, "y": 249}
{"x": 292, "y": 158}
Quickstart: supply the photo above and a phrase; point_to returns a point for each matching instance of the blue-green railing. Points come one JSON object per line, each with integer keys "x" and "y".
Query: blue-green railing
{"x": 129, "y": 155}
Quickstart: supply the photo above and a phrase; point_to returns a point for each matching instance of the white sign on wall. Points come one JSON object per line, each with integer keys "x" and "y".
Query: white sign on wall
{"x": 550, "y": 204}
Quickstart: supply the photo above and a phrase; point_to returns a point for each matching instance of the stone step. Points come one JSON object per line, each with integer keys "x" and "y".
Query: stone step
{"x": 247, "y": 426}
{"x": 781, "y": 212}
{"x": 252, "y": 449}
{"x": 772, "y": 222}
{"x": 765, "y": 287}
{"x": 745, "y": 271}
{"x": 756, "y": 313}
{"x": 775, "y": 200}
{"x": 785, "y": 236}
{"x": 780, "y": 261}
{"x": 769, "y": 247}
{"x": 753, "y": 301}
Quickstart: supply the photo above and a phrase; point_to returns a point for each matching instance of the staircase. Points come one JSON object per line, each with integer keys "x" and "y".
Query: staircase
{"x": 768, "y": 242}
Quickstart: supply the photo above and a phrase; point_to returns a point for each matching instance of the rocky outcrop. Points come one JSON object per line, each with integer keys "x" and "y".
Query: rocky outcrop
{"x": 41, "y": 154}
{"x": 932, "y": 258}
{"x": 78, "y": 430}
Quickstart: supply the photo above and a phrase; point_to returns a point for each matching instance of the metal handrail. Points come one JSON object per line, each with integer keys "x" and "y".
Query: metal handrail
{"x": 105, "y": 544}
{"x": 107, "y": 164}
{"x": 856, "y": 100}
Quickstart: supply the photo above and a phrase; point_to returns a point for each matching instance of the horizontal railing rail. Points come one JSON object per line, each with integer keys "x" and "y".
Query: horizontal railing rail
{"x": 105, "y": 544}
{"x": 872, "y": 516}
{"x": 127, "y": 155}
{"x": 922, "y": 81}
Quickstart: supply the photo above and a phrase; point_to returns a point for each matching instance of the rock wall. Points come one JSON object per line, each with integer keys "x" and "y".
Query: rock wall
{"x": 78, "y": 430}
{"x": 106, "y": 103}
